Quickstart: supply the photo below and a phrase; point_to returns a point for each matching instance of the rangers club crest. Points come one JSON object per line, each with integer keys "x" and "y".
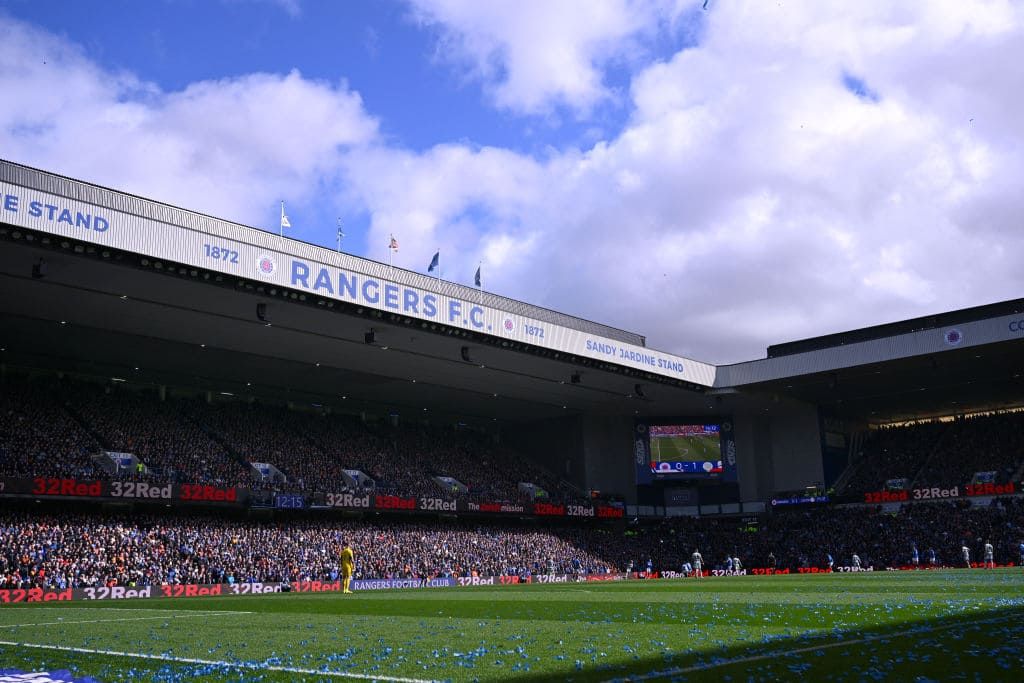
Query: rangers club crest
{"x": 953, "y": 337}
{"x": 265, "y": 265}
{"x": 509, "y": 325}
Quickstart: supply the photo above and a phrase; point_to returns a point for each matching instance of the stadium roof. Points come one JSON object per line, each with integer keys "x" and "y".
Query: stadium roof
{"x": 105, "y": 316}
{"x": 929, "y": 322}
{"x": 196, "y": 325}
{"x": 70, "y": 209}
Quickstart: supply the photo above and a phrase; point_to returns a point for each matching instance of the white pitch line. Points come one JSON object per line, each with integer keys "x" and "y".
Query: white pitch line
{"x": 209, "y": 662}
{"x": 117, "y": 621}
{"x": 801, "y": 650}
{"x": 99, "y": 605}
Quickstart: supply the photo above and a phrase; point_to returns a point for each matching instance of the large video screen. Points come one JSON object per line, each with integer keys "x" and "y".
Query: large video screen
{"x": 685, "y": 449}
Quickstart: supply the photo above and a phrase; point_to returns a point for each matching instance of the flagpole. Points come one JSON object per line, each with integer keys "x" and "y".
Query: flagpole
{"x": 340, "y": 235}
{"x": 280, "y": 234}
{"x": 479, "y": 284}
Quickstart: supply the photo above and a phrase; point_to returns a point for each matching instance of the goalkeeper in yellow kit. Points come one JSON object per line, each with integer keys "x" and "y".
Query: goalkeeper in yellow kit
{"x": 348, "y": 563}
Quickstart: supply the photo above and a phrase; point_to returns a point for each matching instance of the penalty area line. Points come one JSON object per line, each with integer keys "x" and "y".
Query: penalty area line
{"x": 252, "y": 666}
{"x": 801, "y": 650}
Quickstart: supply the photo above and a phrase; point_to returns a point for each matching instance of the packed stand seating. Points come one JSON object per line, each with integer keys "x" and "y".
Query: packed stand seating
{"x": 158, "y": 434}
{"x": 798, "y": 538}
{"x": 348, "y": 442}
{"x": 941, "y": 453}
{"x": 985, "y": 443}
{"x": 50, "y": 428}
{"x": 267, "y": 434}
{"x": 38, "y": 437}
{"x": 93, "y": 550}
{"x": 893, "y": 453}
{"x": 489, "y": 470}
{"x": 90, "y": 549}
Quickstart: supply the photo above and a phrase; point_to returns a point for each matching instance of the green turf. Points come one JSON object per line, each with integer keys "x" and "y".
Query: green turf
{"x": 686, "y": 447}
{"x": 891, "y": 625}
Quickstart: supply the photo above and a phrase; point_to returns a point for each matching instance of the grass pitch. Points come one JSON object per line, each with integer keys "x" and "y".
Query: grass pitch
{"x": 686, "y": 447}
{"x": 887, "y": 625}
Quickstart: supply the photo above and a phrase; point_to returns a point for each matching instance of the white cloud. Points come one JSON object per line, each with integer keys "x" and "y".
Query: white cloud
{"x": 750, "y": 199}
{"x": 753, "y": 199}
{"x": 231, "y": 147}
{"x": 534, "y": 54}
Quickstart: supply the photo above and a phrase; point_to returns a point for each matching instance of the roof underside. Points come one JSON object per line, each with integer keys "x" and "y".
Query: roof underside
{"x": 182, "y": 331}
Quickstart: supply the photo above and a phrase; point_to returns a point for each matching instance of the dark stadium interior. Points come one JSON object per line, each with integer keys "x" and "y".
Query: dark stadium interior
{"x": 200, "y": 374}
{"x": 120, "y": 318}
{"x": 955, "y": 382}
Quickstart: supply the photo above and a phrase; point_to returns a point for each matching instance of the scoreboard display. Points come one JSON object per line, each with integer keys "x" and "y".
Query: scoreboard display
{"x": 684, "y": 449}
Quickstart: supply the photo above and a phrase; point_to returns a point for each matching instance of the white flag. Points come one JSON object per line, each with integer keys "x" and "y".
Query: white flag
{"x": 284, "y": 219}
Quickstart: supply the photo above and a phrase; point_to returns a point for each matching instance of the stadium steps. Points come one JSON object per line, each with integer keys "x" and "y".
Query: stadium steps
{"x": 222, "y": 440}
{"x": 89, "y": 429}
{"x": 854, "y": 464}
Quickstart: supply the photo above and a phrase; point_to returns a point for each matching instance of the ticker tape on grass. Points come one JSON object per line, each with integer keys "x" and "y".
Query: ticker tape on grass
{"x": 677, "y": 671}
{"x": 187, "y": 615}
{"x": 253, "y": 666}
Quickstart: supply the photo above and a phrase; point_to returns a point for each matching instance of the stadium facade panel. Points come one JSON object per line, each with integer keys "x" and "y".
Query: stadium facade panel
{"x": 67, "y": 208}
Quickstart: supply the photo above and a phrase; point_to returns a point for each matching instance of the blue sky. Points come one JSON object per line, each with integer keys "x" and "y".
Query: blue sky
{"x": 383, "y": 51}
{"x": 717, "y": 179}
{"x": 380, "y": 48}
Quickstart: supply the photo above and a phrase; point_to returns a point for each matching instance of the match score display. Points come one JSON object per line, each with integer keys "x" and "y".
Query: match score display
{"x": 684, "y": 449}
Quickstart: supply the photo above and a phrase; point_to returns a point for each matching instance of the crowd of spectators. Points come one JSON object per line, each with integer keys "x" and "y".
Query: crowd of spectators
{"x": 50, "y": 428}
{"x": 940, "y": 453}
{"x": 157, "y": 432}
{"x": 38, "y": 438}
{"x": 260, "y": 433}
{"x": 806, "y": 538}
{"x": 91, "y": 549}
{"x": 988, "y": 443}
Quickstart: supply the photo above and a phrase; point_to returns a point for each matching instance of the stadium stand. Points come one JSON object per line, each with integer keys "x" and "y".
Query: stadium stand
{"x": 38, "y": 437}
{"x": 53, "y": 429}
{"x": 91, "y": 549}
{"x": 893, "y": 453}
{"x": 941, "y": 453}
{"x": 157, "y": 433}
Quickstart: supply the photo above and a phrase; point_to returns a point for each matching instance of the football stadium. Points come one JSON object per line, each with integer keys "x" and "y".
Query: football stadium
{"x": 199, "y": 420}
